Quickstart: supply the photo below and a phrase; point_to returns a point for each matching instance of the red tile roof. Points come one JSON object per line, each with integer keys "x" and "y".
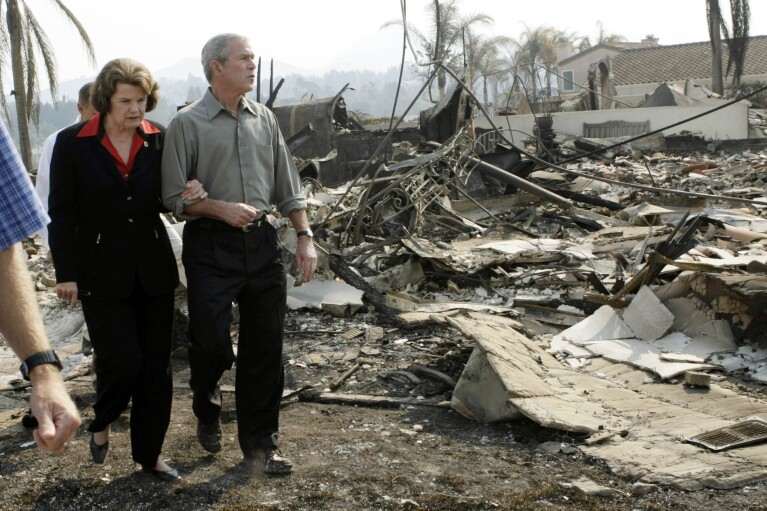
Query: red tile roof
{"x": 681, "y": 61}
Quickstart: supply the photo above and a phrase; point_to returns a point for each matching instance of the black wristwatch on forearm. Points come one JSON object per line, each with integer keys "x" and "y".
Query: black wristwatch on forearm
{"x": 305, "y": 232}
{"x": 43, "y": 357}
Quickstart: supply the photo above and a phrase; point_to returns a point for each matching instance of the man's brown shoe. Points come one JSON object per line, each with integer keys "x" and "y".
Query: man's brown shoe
{"x": 209, "y": 435}
{"x": 270, "y": 459}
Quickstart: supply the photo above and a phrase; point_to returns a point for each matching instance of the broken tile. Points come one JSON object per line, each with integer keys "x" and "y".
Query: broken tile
{"x": 646, "y": 316}
{"x": 605, "y": 323}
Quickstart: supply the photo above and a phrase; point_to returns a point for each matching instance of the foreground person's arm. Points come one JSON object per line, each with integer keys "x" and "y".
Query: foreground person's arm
{"x": 23, "y": 329}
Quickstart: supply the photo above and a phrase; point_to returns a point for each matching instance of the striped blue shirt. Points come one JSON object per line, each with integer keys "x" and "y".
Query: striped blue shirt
{"x": 21, "y": 213}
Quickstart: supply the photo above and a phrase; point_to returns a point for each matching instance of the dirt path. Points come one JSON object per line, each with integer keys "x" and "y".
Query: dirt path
{"x": 347, "y": 457}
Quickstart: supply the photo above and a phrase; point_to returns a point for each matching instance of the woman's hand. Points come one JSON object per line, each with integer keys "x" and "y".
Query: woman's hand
{"x": 67, "y": 291}
{"x": 194, "y": 191}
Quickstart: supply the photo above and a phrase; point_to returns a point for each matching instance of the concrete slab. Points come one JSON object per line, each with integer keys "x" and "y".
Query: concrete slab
{"x": 606, "y": 396}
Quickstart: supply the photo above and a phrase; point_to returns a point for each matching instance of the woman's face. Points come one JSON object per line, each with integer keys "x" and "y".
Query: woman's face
{"x": 127, "y": 106}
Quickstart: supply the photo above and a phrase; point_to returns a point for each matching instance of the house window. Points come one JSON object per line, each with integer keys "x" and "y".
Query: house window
{"x": 568, "y": 81}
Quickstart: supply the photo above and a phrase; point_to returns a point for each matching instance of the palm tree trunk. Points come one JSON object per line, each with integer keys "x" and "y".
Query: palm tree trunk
{"x": 13, "y": 19}
{"x": 441, "y": 83}
{"x": 715, "y": 21}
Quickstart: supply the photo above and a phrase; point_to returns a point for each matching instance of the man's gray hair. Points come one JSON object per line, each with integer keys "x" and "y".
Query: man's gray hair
{"x": 217, "y": 48}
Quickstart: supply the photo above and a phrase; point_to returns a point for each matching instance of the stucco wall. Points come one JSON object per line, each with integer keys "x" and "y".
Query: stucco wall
{"x": 729, "y": 123}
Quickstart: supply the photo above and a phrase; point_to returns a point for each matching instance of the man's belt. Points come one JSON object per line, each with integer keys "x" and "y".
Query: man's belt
{"x": 209, "y": 224}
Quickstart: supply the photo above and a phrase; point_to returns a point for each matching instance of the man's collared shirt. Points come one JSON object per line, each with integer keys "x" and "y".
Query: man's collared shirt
{"x": 21, "y": 213}
{"x": 241, "y": 159}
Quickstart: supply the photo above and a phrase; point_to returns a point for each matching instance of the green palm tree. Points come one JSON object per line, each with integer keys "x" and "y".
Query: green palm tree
{"x": 606, "y": 38}
{"x": 485, "y": 61}
{"x": 536, "y": 49}
{"x": 22, "y": 38}
{"x": 445, "y": 36}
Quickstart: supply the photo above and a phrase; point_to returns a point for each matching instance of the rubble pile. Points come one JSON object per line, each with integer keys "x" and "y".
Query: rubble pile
{"x": 434, "y": 229}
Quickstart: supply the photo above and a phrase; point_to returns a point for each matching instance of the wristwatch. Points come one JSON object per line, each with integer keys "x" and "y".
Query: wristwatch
{"x": 305, "y": 232}
{"x": 43, "y": 357}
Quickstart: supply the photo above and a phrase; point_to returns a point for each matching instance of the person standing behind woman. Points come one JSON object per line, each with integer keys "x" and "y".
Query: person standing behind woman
{"x": 42, "y": 184}
{"x": 111, "y": 251}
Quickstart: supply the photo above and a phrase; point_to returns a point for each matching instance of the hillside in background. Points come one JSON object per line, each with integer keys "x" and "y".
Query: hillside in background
{"x": 370, "y": 93}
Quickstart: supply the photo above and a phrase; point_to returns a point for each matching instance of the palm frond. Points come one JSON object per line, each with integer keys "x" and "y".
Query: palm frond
{"x": 38, "y": 35}
{"x": 32, "y": 85}
{"x": 81, "y": 30}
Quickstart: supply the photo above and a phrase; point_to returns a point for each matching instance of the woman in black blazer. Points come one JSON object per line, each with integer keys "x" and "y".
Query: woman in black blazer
{"x": 111, "y": 251}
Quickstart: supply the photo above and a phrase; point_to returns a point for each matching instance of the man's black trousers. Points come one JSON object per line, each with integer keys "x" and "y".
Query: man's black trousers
{"x": 225, "y": 264}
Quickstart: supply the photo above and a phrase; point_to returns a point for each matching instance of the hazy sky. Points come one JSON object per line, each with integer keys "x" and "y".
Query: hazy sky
{"x": 318, "y": 34}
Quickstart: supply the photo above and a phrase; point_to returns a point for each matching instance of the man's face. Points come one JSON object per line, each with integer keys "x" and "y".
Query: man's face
{"x": 238, "y": 71}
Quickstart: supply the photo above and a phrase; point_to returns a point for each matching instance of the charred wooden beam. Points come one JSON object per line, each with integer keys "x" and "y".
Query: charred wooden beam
{"x": 340, "y": 268}
{"x": 506, "y": 177}
{"x": 367, "y": 400}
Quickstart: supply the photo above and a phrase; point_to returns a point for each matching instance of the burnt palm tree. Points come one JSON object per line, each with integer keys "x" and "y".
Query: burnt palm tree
{"x": 22, "y": 38}
{"x": 736, "y": 45}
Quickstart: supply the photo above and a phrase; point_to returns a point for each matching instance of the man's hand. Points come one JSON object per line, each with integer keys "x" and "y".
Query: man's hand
{"x": 56, "y": 414}
{"x": 67, "y": 291}
{"x": 306, "y": 257}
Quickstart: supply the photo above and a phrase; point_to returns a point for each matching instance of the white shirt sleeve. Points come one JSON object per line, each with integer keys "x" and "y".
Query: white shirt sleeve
{"x": 43, "y": 182}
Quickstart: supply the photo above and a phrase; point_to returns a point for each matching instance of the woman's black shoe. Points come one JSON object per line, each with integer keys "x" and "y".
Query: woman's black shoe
{"x": 98, "y": 452}
{"x": 167, "y": 476}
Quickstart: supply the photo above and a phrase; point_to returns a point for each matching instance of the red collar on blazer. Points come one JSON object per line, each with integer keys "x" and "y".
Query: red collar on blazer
{"x": 91, "y": 127}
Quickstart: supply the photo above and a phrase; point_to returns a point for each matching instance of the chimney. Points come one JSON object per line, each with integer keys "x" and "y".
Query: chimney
{"x": 564, "y": 49}
{"x": 650, "y": 40}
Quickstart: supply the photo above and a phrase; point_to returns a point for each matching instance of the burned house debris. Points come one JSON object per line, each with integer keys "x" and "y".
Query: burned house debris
{"x": 608, "y": 290}
{"x": 328, "y": 143}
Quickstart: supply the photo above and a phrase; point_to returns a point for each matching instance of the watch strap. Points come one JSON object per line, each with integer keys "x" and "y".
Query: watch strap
{"x": 305, "y": 232}
{"x": 40, "y": 358}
